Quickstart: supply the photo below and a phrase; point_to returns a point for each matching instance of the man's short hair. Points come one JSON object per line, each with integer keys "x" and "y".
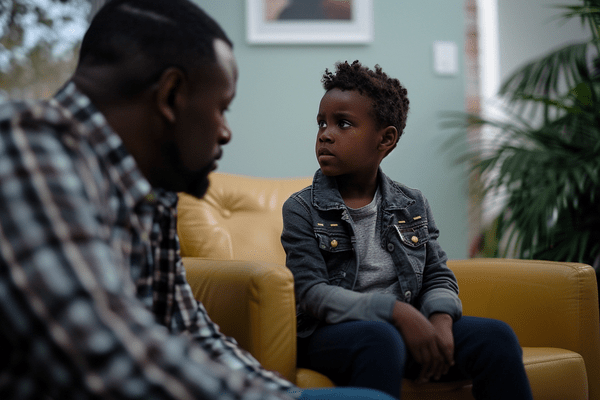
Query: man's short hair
{"x": 159, "y": 33}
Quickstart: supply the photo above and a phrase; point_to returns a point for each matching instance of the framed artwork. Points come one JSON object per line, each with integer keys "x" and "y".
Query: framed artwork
{"x": 309, "y": 21}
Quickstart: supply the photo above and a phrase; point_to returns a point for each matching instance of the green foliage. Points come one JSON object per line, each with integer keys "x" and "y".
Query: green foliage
{"x": 28, "y": 25}
{"x": 39, "y": 41}
{"x": 544, "y": 163}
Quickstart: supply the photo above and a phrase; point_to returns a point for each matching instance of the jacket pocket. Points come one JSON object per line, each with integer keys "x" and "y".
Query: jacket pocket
{"x": 333, "y": 241}
{"x": 336, "y": 248}
{"x": 415, "y": 238}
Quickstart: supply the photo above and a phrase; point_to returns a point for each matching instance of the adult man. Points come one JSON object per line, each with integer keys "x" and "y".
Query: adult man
{"x": 144, "y": 107}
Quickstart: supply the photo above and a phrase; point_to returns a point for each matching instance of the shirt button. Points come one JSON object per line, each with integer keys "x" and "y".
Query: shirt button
{"x": 390, "y": 247}
{"x": 414, "y": 239}
{"x": 334, "y": 243}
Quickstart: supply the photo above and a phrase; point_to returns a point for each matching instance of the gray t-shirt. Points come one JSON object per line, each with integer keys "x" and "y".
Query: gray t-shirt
{"x": 376, "y": 272}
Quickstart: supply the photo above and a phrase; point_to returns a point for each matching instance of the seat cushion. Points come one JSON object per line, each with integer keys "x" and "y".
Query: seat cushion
{"x": 306, "y": 378}
{"x": 555, "y": 374}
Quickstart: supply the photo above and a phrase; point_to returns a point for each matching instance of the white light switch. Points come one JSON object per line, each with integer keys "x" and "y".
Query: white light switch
{"x": 445, "y": 57}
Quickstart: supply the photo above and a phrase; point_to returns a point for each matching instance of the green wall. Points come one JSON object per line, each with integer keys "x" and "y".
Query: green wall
{"x": 273, "y": 115}
{"x": 528, "y": 30}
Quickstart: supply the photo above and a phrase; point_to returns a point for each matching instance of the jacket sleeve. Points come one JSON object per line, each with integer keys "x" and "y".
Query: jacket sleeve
{"x": 314, "y": 293}
{"x": 439, "y": 293}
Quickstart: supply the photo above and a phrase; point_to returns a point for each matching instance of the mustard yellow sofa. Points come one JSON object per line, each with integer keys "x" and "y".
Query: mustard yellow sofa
{"x": 235, "y": 264}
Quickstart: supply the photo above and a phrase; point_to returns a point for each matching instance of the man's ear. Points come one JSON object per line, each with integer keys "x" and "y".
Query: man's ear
{"x": 169, "y": 91}
{"x": 389, "y": 138}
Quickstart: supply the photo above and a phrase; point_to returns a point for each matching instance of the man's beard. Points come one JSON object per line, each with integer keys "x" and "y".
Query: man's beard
{"x": 176, "y": 177}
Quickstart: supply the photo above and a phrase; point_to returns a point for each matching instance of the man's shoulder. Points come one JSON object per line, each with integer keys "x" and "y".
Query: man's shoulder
{"x": 10, "y": 109}
{"x": 33, "y": 115}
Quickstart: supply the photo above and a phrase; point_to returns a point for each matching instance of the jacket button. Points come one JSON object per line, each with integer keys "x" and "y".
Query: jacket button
{"x": 407, "y": 295}
{"x": 414, "y": 239}
{"x": 390, "y": 247}
{"x": 334, "y": 243}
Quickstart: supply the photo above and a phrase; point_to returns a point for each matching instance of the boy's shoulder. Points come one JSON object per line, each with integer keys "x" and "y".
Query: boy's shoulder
{"x": 396, "y": 188}
{"x": 408, "y": 191}
{"x": 320, "y": 184}
{"x": 302, "y": 193}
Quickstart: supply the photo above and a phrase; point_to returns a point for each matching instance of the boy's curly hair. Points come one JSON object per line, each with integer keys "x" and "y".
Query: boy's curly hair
{"x": 390, "y": 104}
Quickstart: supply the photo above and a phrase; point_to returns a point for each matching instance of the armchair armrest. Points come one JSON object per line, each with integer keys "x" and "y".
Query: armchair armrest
{"x": 252, "y": 302}
{"x": 548, "y": 304}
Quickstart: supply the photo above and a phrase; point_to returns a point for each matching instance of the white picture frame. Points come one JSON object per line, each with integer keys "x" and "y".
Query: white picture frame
{"x": 264, "y": 29}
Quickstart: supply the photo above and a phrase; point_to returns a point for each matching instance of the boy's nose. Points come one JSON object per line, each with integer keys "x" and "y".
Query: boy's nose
{"x": 325, "y": 136}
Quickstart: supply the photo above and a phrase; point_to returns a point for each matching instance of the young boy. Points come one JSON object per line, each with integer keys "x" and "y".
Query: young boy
{"x": 376, "y": 301}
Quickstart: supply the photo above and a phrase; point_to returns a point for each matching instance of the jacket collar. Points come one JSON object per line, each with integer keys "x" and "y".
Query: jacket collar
{"x": 326, "y": 196}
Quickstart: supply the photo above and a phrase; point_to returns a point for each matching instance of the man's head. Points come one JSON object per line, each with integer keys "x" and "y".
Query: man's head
{"x": 154, "y": 33}
{"x": 163, "y": 74}
{"x": 360, "y": 118}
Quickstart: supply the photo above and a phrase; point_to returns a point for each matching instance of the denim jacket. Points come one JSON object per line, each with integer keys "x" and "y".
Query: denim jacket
{"x": 320, "y": 245}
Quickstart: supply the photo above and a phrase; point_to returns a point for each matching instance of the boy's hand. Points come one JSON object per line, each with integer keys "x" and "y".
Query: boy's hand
{"x": 445, "y": 339}
{"x": 423, "y": 340}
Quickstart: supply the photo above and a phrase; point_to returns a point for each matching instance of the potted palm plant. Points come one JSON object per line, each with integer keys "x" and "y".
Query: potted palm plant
{"x": 543, "y": 165}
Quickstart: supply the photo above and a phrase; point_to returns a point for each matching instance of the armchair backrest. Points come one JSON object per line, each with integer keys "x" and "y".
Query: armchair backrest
{"x": 239, "y": 218}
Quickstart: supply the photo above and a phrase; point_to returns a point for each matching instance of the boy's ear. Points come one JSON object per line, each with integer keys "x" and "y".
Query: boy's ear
{"x": 389, "y": 139}
{"x": 169, "y": 91}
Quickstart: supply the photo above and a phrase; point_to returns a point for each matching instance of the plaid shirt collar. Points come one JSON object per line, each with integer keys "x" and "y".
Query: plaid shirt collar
{"x": 106, "y": 142}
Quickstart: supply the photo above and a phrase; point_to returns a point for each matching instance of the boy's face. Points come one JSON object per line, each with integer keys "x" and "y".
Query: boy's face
{"x": 349, "y": 139}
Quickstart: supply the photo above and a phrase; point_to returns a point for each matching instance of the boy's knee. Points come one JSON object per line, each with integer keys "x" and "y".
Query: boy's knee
{"x": 376, "y": 330}
{"x": 501, "y": 338}
{"x": 501, "y": 331}
{"x": 381, "y": 335}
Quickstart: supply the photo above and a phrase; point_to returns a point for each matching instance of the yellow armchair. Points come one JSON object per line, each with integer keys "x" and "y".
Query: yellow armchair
{"x": 235, "y": 265}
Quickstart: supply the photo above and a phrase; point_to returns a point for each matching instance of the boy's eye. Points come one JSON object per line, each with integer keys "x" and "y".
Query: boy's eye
{"x": 344, "y": 124}
{"x": 321, "y": 124}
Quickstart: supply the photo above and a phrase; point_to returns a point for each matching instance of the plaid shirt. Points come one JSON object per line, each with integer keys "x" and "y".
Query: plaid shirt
{"x": 82, "y": 240}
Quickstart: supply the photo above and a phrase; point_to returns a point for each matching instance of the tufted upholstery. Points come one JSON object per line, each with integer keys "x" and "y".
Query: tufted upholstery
{"x": 246, "y": 213}
{"x": 235, "y": 264}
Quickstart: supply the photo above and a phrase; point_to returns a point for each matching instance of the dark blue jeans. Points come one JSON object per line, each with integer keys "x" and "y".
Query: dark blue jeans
{"x": 373, "y": 355}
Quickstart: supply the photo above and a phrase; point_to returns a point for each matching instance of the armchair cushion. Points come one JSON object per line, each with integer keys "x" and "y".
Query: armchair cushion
{"x": 551, "y": 306}
{"x": 254, "y": 303}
